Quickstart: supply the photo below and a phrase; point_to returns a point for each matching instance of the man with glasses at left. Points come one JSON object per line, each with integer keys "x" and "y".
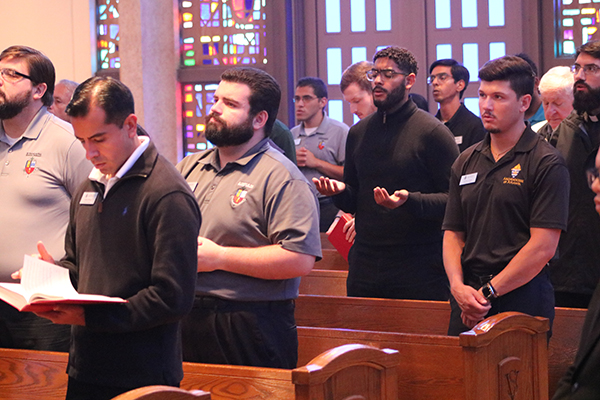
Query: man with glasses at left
{"x": 41, "y": 165}
{"x": 396, "y": 179}
{"x": 320, "y": 141}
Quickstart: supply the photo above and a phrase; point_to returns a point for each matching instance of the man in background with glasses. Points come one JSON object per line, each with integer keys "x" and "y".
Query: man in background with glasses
{"x": 449, "y": 80}
{"x": 320, "y": 141}
{"x": 576, "y": 271}
{"x": 396, "y": 178}
{"x": 41, "y": 166}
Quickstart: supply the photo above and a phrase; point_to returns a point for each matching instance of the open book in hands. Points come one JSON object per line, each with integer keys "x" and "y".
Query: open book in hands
{"x": 44, "y": 285}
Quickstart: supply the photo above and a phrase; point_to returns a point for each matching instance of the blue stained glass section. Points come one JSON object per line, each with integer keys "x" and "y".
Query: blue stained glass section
{"x": 472, "y": 104}
{"x": 442, "y": 14}
{"x": 497, "y": 49}
{"x": 469, "y": 13}
{"x": 496, "y": 12}
{"x": 383, "y": 15}
{"x": 471, "y": 60}
{"x": 443, "y": 51}
{"x": 359, "y": 54}
{"x": 334, "y": 65}
{"x": 336, "y": 109}
{"x": 333, "y": 18}
{"x": 358, "y": 20}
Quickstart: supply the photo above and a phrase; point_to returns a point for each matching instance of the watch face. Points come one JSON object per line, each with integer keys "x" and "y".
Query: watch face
{"x": 487, "y": 293}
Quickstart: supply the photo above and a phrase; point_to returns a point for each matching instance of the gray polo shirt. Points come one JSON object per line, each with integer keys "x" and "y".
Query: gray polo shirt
{"x": 327, "y": 143}
{"x": 38, "y": 175}
{"x": 259, "y": 200}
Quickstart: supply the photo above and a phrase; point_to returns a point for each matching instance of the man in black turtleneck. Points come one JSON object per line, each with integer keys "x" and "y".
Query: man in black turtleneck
{"x": 576, "y": 270}
{"x": 396, "y": 178}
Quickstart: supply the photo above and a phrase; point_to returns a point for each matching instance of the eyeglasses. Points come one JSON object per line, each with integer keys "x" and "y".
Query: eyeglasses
{"x": 385, "y": 73}
{"x": 440, "y": 77}
{"x": 304, "y": 99}
{"x": 10, "y": 75}
{"x": 591, "y": 69}
{"x": 591, "y": 175}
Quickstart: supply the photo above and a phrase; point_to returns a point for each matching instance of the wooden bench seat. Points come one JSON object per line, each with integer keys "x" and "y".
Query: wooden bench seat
{"x": 427, "y": 317}
{"x": 440, "y": 365}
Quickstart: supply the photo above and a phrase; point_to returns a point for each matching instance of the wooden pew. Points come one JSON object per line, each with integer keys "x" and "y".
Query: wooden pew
{"x": 33, "y": 375}
{"x": 324, "y": 282}
{"x": 440, "y": 365}
{"x": 428, "y": 318}
{"x": 157, "y": 392}
{"x": 332, "y": 260}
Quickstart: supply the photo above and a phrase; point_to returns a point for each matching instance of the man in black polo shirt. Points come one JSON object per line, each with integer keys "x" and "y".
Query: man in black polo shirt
{"x": 506, "y": 209}
{"x": 449, "y": 80}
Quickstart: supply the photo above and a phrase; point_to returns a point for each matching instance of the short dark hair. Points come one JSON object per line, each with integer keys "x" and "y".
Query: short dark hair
{"x": 404, "y": 59}
{"x": 41, "y": 69}
{"x": 510, "y": 68}
{"x": 357, "y": 73}
{"x": 317, "y": 84}
{"x": 265, "y": 93}
{"x": 458, "y": 71}
{"x": 526, "y": 57}
{"x": 591, "y": 48}
{"x": 108, "y": 93}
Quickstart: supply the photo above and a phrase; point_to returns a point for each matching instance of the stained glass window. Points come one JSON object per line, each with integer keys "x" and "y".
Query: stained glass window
{"x": 197, "y": 101}
{"x": 223, "y": 32}
{"x": 576, "y": 22}
{"x": 107, "y": 23}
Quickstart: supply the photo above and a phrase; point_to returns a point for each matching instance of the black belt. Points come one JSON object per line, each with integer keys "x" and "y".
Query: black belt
{"x": 216, "y": 303}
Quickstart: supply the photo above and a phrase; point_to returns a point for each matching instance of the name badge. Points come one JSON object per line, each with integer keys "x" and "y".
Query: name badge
{"x": 458, "y": 139}
{"x": 297, "y": 141}
{"x": 468, "y": 179}
{"x": 193, "y": 185}
{"x": 88, "y": 198}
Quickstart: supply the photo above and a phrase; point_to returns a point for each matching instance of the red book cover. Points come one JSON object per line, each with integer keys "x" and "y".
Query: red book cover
{"x": 337, "y": 237}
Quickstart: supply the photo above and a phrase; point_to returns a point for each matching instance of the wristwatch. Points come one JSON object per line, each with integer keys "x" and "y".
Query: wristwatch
{"x": 488, "y": 291}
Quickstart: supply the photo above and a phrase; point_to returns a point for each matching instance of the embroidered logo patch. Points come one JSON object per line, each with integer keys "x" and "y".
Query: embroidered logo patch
{"x": 513, "y": 180}
{"x": 240, "y": 194}
{"x": 30, "y": 166}
{"x": 321, "y": 145}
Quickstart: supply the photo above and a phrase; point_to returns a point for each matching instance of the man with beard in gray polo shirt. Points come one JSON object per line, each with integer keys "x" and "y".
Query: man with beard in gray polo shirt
{"x": 259, "y": 234}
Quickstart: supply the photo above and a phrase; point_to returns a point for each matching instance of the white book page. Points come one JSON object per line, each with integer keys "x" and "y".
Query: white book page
{"x": 45, "y": 278}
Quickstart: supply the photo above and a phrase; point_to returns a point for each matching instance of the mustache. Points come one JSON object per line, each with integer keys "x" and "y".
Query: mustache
{"x": 580, "y": 82}
{"x": 488, "y": 114}
{"x": 380, "y": 87}
{"x": 215, "y": 117}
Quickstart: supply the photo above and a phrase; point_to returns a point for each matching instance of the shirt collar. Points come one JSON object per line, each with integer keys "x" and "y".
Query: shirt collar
{"x": 526, "y": 142}
{"x": 321, "y": 129}
{"x": 34, "y": 128}
{"x": 211, "y": 155}
{"x": 99, "y": 177}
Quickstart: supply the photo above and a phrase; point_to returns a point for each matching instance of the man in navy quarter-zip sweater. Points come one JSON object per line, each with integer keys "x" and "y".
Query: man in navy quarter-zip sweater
{"x": 396, "y": 179}
{"x": 133, "y": 234}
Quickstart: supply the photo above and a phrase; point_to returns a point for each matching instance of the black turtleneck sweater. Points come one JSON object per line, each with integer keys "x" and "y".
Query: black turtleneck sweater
{"x": 403, "y": 149}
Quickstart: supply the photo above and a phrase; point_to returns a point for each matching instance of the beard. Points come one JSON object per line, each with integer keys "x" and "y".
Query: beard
{"x": 221, "y": 134}
{"x": 392, "y": 99}
{"x": 11, "y": 108}
{"x": 586, "y": 101}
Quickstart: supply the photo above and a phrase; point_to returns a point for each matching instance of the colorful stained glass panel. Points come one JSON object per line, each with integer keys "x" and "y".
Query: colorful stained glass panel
{"x": 107, "y": 39}
{"x": 576, "y": 23}
{"x": 223, "y": 32}
{"x": 197, "y": 102}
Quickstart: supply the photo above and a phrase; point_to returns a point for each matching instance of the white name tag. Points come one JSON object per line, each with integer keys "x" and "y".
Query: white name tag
{"x": 88, "y": 198}
{"x": 458, "y": 139}
{"x": 193, "y": 185}
{"x": 297, "y": 141}
{"x": 468, "y": 179}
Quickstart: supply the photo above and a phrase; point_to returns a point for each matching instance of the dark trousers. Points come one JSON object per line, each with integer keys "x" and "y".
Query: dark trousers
{"x": 77, "y": 390}
{"x": 414, "y": 273}
{"x": 259, "y": 333}
{"x": 24, "y": 330}
{"x": 534, "y": 298}
{"x": 327, "y": 213}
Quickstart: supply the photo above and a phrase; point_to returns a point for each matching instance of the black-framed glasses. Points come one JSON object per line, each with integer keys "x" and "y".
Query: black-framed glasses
{"x": 305, "y": 99}
{"x": 591, "y": 174}
{"x": 10, "y": 75}
{"x": 589, "y": 69}
{"x": 385, "y": 73}
{"x": 441, "y": 77}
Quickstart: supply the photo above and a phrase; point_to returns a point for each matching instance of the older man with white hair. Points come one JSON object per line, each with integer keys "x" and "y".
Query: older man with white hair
{"x": 556, "y": 90}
